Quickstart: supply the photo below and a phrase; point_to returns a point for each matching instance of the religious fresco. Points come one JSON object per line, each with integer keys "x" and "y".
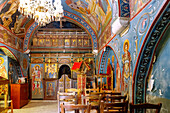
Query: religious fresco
{"x": 8, "y": 53}
{"x": 106, "y": 34}
{"x": 51, "y": 70}
{"x": 3, "y": 66}
{"x": 50, "y": 88}
{"x": 80, "y": 42}
{"x": 11, "y": 18}
{"x": 10, "y": 39}
{"x": 60, "y": 39}
{"x": 14, "y": 71}
{"x": 85, "y": 42}
{"x": 67, "y": 42}
{"x": 96, "y": 14}
{"x": 126, "y": 60}
{"x": 74, "y": 42}
{"x": 6, "y": 16}
{"x": 109, "y": 65}
{"x": 55, "y": 42}
{"x": 36, "y": 74}
{"x": 61, "y": 42}
{"x": 140, "y": 25}
{"x": 136, "y": 6}
{"x": 2, "y": 4}
{"x": 118, "y": 77}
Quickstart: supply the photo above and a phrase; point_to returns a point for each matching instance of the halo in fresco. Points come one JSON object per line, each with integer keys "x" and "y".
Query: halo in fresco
{"x": 126, "y": 42}
{"x": 2, "y": 60}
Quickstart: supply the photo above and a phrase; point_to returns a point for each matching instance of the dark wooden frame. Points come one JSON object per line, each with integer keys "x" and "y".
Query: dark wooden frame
{"x": 145, "y": 106}
{"x": 76, "y": 107}
{"x": 46, "y": 97}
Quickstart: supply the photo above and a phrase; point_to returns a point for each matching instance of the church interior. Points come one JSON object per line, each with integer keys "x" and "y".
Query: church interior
{"x": 89, "y": 50}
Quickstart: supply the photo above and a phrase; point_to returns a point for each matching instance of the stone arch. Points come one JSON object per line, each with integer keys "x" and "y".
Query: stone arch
{"x": 146, "y": 55}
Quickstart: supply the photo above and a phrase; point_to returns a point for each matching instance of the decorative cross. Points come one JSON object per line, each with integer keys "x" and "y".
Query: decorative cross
{"x": 61, "y": 25}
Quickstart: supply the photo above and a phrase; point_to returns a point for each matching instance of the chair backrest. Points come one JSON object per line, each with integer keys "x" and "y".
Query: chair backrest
{"x": 75, "y": 107}
{"x": 92, "y": 98}
{"x": 114, "y": 107}
{"x": 66, "y": 97}
{"x": 88, "y": 91}
{"x": 111, "y": 93}
{"x": 72, "y": 90}
{"x": 157, "y": 107}
{"x": 115, "y": 98}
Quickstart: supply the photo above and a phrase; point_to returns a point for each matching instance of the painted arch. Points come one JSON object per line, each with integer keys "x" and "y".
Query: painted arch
{"x": 147, "y": 52}
{"x": 34, "y": 26}
{"x": 109, "y": 53}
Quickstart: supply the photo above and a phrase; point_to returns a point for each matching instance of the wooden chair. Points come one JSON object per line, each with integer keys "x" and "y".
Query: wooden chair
{"x": 6, "y": 104}
{"x": 72, "y": 90}
{"x": 111, "y": 92}
{"x": 115, "y": 98}
{"x": 145, "y": 106}
{"x": 94, "y": 100}
{"x": 69, "y": 98}
{"x": 77, "y": 107}
{"x": 8, "y": 108}
{"x": 113, "y": 107}
{"x": 88, "y": 91}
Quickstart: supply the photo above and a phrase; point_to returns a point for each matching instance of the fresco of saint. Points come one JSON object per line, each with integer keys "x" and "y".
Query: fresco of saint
{"x": 50, "y": 70}
{"x": 50, "y": 89}
{"x": 3, "y": 72}
{"x": 109, "y": 69}
{"x": 126, "y": 60}
{"x": 36, "y": 79}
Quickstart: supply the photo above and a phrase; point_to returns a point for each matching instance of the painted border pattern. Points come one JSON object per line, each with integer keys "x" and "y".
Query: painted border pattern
{"x": 83, "y": 23}
{"x": 29, "y": 35}
{"x": 33, "y": 27}
{"x": 147, "y": 53}
{"x": 124, "y": 8}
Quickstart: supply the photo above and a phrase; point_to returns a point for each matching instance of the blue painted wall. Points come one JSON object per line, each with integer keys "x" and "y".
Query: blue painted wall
{"x": 159, "y": 90}
{"x": 136, "y": 34}
{"x": 161, "y": 69}
{"x": 20, "y": 56}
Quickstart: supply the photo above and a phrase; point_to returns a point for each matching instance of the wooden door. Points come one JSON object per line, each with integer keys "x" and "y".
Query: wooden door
{"x": 64, "y": 83}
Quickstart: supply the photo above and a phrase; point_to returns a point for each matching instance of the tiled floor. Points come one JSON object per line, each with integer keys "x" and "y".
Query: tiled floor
{"x": 39, "y": 106}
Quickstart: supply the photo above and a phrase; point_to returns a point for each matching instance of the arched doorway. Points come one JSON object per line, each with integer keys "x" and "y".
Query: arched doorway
{"x": 64, "y": 69}
{"x": 64, "y": 76}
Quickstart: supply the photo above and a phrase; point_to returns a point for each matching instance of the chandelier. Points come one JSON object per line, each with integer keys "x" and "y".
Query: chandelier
{"x": 42, "y": 11}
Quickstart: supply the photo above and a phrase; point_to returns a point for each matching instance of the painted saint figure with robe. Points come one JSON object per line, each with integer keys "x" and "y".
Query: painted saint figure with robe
{"x": 126, "y": 59}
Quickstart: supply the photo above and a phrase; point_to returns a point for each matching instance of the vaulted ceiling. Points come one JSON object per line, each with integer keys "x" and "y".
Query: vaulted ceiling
{"x": 91, "y": 15}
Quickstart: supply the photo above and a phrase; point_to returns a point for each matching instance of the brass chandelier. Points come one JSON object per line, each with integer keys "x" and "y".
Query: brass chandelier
{"x": 42, "y": 11}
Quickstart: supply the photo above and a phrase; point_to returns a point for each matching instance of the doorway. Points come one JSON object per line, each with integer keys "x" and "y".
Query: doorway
{"x": 64, "y": 69}
{"x": 64, "y": 77}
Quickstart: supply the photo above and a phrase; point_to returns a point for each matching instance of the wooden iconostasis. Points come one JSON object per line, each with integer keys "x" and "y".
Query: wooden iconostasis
{"x": 46, "y": 72}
